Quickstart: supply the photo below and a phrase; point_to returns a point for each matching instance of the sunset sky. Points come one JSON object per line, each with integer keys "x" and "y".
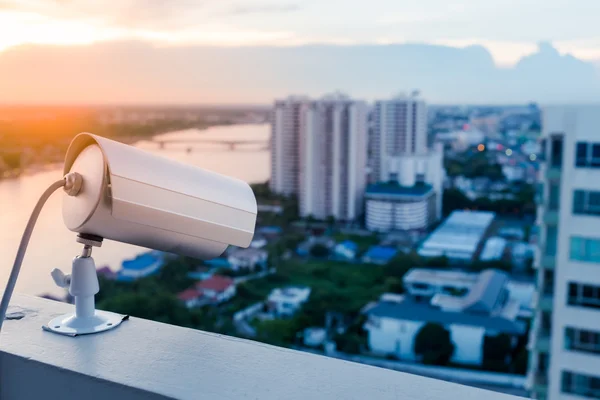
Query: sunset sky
{"x": 508, "y": 28}
{"x": 230, "y": 51}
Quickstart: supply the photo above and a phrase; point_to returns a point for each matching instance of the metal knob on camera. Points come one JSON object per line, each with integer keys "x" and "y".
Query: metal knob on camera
{"x": 83, "y": 286}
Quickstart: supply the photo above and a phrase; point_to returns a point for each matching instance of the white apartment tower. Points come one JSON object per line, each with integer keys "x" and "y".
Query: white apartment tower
{"x": 399, "y": 128}
{"x": 285, "y": 141}
{"x": 333, "y": 158}
{"x": 565, "y": 335}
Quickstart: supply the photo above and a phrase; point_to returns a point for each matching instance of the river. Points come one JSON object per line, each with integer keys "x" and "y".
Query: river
{"x": 53, "y": 245}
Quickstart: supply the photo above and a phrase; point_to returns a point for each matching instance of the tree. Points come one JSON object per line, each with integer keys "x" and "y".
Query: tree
{"x": 319, "y": 251}
{"x": 433, "y": 344}
{"x": 455, "y": 199}
{"x": 496, "y": 352}
{"x": 441, "y": 261}
{"x": 349, "y": 342}
{"x": 393, "y": 285}
{"x": 12, "y": 160}
{"x": 279, "y": 332}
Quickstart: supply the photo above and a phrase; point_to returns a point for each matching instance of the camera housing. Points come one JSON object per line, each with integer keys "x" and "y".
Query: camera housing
{"x": 132, "y": 196}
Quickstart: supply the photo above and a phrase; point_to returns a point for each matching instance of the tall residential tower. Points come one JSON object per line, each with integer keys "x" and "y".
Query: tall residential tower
{"x": 319, "y": 153}
{"x": 333, "y": 158}
{"x": 565, "y": 335}
{"x": 399, "y": 128}
{"x": 285, "y": 141}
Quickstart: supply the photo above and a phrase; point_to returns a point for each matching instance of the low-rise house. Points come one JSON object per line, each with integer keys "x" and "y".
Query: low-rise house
{"x": 217, "y": 288}
{"x": 346, "y": 250}
{"x": 425, "y": 283}
{"x": 380, "y": 255}
{"x": 485, "y": 310}
{"x": 202, "y": 272}
{"x": 143, "y": 265}
{"x": 285, "y": 302}
{"x": 250, "y": 258}
{"x": 190, "y": 297}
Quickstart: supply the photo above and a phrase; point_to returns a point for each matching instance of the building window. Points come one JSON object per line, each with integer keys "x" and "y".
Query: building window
{"x": 587, "y": 155}
{"x": 585, "y": 249}
{"x": 582, "y": 340}
{"x": 583, "y": 295}
{"x": 581, "y": 385}
{"x": 554, "y": 201}
{"x": 551, "y": 240}
{"x": 556, "y": 150}
{"x": 586, "y": 202}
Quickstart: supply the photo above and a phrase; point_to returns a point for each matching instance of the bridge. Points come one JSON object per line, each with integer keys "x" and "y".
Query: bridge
{"x": 231, "y": 144}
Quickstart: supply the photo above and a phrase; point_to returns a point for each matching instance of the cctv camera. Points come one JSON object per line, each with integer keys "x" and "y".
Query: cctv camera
{"x": 136, "y": 197}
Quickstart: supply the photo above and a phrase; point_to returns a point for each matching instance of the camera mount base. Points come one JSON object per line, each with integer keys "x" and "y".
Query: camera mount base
{"x": 71, "y": 325}
{"x": 83, "y": 285}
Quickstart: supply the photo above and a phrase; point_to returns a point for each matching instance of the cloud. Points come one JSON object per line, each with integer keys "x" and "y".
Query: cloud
{"x": 137, "y": 72}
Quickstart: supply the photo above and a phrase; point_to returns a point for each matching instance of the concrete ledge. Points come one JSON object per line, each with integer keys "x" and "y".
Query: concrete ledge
{"x": 148, "y": 360}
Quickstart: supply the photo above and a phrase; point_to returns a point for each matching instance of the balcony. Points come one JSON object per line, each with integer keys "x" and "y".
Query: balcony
{"x": 542, "y": 342}
{"x": 550, "y": 217}
{"x": 545, "y": 301}
{"x": 553, "y": 173}
{"x": 548, "y": 262}
{"x": 540, "y": 385}
{"x": 148, "y": 360}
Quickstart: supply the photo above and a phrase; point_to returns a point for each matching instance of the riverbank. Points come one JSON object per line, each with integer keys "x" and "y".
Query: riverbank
{"x": 57, "y": 162}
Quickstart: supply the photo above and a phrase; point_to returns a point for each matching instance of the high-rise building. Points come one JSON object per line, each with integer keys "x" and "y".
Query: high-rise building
{"x": 285, "y": 141}
{"x": 319, "y": 153}
{"x": 333, "y": 157}
{"x": 399, "y": 128}
{"x": 565, "y": 335}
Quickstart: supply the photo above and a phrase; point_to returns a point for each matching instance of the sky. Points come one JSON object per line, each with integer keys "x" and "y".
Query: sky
{"x": 508, "y": 29}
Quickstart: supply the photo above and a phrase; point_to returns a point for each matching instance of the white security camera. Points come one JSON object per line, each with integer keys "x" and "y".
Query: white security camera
{"x": 114, "y": 191}
{"x": 136, "y": 197}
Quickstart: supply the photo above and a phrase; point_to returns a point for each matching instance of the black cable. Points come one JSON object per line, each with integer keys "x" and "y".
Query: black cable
{"x": 14, "y": 273}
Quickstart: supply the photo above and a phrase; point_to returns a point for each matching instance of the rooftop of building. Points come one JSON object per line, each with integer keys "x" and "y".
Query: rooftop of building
{"x": 493, "y": 249}
{"x": 142, "y": 261}
{"x": 439, "y": 277}
{"x": 395, "y": 189}
{"x": 381, "y": 253}
{"x": 291, "y": 292}
{"x": 349, "y": 244}
{"x": 460, "y": 234}
{"x": 485, "y": 305}
{"x": 217, "y": 283}
{"x": 521, "y": 291}
{"x": 411, "y": 310}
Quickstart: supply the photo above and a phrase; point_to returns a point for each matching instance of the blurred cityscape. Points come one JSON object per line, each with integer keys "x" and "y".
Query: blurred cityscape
{"x": 422, "y": 238}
